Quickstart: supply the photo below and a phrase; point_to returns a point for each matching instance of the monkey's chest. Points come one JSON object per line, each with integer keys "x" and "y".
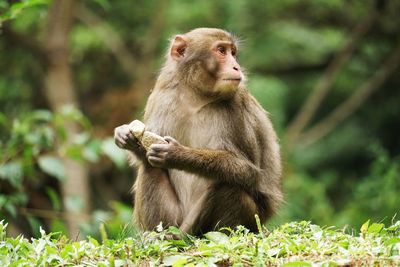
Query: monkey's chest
{"x": 223, "y": 130}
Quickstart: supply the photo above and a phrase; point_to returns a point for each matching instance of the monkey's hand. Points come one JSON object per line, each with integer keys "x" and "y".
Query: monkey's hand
{"x": 125, "y": 139}
{"x": 162, "y": 155}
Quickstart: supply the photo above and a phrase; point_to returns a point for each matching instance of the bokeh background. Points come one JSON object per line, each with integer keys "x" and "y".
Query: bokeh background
{"x": 70, "y": 71}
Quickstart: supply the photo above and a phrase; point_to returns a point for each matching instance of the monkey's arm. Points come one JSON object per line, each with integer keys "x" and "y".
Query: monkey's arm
{"x": 222, "y": 165}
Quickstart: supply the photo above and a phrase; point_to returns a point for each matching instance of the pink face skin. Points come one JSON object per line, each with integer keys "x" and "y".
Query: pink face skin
{"x": 230, "y": 75}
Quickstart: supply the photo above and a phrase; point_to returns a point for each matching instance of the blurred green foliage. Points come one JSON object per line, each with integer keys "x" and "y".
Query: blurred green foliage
{"x": 30, "y": 161}
{"x": 345, "y": 178}
{"x": 12, "y": 10}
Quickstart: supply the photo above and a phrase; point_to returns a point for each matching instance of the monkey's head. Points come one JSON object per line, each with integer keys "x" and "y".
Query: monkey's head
{"x": 205, "y": 60}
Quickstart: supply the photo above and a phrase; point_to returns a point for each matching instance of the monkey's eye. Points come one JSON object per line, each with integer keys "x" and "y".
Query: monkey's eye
{"x": 221, "y": 49}
{"x": 234, "y": 52}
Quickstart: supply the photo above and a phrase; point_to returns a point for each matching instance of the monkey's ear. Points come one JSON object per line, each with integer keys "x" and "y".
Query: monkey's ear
{"x": 178, "y": 47}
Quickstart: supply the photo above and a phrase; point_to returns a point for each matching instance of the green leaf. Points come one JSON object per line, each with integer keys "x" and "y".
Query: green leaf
{"x": 10, "y": 208}
{"x": 111, "y": 261}
{"x": 175, "y": 260}
{"x": 217, "y": 237}
{"x": 394, "y": 227}
{"x": 103, "y": 232}
{"x": 57, "y": 225}
{"x": 52, "y": 166}
{"x": 74, "y": 151}
{"x": 43, "y": 115}
{"x": 392, "y": 241}
{"x": 74, "y": 203}
{"x": 34, "y": 224}
{"x": 174, "y": 230}
{"x": 71, "y": 113}
{"x": 16, "y": 8}
{"x": 93, "y": 241}
{"x": 117, "y": 155}
{"x": 375, "y": 228}
{"x": 54, "y": 198}
{"x": 364, "y": 227}
{"x": 92, "y": 150}
{"x": 3, "y": 119}
{"x": 104, "y": 4}
{"x": 13, "y": 172}
{"x": 3, "y": 228}
{"x": 273, "y": 252}
{"x": 297, "y": 264}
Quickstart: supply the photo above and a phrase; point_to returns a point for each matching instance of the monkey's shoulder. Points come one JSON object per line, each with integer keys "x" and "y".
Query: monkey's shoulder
{"x": 249, "y": 106}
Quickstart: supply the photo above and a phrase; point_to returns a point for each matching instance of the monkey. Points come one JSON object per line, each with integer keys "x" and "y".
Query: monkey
{"x": 221, "y": 163}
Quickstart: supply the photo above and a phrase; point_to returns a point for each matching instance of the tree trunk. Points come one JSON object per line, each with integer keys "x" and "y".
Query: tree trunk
{"x": 59, "y": 90}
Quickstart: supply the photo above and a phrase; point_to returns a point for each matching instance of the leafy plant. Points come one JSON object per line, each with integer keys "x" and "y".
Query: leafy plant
{"x": 376, "y": 194}
{"x": 12, "y": 11}
{"x": 32, "y": 149}
{"x": 291, "y": 244}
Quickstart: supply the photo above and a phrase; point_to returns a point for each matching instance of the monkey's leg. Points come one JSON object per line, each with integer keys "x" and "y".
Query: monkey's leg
{"x": 225, "y": 206}
{"x": 190, "y": 219}
{"x": 155, "y": 199}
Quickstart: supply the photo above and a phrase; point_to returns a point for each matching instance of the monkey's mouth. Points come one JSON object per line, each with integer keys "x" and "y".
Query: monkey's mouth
{"x": 233, "y": 79}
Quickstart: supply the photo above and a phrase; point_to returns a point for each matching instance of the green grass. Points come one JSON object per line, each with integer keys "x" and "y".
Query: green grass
{"x": 292, "y": 244}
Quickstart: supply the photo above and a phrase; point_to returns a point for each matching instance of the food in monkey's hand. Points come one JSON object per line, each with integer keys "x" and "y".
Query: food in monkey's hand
{"x": 150, "y": 138}
{"x": 146, "y": 138}
{"x": 137, "y": 128}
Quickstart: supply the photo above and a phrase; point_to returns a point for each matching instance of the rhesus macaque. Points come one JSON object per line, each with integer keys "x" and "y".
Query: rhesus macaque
{"x": 221, "y": 164}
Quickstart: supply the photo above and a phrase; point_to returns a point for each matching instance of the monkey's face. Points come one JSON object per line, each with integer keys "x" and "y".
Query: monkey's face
{"x": 228, "y": 74}
{"x": 206, "y": 60}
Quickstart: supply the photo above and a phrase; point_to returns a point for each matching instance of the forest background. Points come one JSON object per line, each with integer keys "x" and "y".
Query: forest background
{"x": 71, "y": 71}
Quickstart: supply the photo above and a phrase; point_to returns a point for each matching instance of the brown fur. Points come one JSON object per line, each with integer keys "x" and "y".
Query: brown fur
{"x": 227, "y": 167}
